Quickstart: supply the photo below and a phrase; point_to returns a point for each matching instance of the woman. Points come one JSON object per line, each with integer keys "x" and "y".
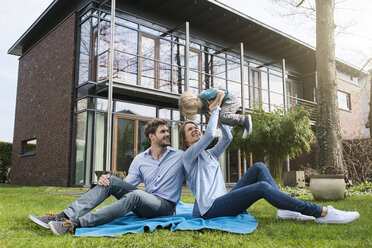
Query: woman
{"x": 208, "y": 187}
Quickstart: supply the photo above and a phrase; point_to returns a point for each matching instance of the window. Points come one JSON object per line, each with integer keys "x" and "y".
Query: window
{"x": 344, "y": 100}
{"x": 28, "y": 147}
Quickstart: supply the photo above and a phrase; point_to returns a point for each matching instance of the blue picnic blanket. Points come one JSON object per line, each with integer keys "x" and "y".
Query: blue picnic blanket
{"x": 130, "y": 223}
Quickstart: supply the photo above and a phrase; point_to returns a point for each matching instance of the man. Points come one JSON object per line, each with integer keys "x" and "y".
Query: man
{"x": 159, "y": 168}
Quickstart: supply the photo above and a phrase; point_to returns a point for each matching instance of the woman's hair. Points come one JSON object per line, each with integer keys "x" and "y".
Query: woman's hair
{"x": 152, "y": 125}
{"x": 188, "y": 105}
{"x": 182, "y": 136}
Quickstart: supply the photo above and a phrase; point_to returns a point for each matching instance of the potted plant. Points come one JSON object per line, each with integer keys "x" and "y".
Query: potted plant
{"x": 276, "y": 136}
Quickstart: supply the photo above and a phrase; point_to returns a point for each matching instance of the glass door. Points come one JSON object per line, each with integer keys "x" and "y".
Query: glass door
{"x": 129, "y": 141}
{"x": 256, "y": 96}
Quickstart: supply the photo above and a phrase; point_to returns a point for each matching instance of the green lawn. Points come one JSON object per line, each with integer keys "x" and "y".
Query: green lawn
{"x": 16, "y": 230}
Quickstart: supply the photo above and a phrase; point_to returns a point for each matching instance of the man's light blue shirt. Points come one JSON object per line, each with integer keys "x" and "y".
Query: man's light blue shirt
{"x": 163, "y": 178}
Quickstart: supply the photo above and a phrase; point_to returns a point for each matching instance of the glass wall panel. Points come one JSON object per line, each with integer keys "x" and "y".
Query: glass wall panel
{"x": 276, "y": 90}
{"x": 235, "y": 89}
{"x": 142, "y": 143}
{"x": 84, "y": 52}
{"x": 195, "y": 68}
{"x": 125, "y": 68}
{"x": 178, "y": 61}
{"x": 126, "y": 40}
{"x": 264, "y": 90}
{"x": 176, "y": 115}
{"x": 135, "y": 109}
{"x": 148, "y": 70}
{"x": 218, "y": 72}
{"x": 150, "y": 31}
{"x": 80, "y": 143}
{"x": 206, "y": 68}
{"x": 256, "y": 88}
{"x": 125, "y": 22}
{"x": 165, "y": 113}
{"x": 101, "y": 104}
{"x": 82, "y": 104}
{"x": 233, "y": 69}
{"x": 288, "y": 89}
{"x": 94, "y": 48}
{"x": 104, "y": 36}
{"x": 147, "y": 63}
{"x": 165, "y": 56}
{"x": 103, "y": 66}
{"x": 297, "y": 92}
{"x": 275, "y": 100}
{"x": 88, "y": 13}
{"x": 233, "y": 166}
{"x": 174, "y": 138}
{"x": 100, "y": 143}
{"x": 124, "y": 144}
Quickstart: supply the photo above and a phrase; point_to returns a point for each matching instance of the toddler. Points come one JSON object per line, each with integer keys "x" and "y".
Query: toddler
{"x": 191, "y": 104}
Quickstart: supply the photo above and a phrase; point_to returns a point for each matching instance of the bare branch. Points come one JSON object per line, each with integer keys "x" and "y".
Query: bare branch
{"x": 300, "y": 3}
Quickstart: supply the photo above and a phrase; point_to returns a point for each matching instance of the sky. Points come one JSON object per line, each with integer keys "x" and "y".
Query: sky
{"x": 353, "y": 45}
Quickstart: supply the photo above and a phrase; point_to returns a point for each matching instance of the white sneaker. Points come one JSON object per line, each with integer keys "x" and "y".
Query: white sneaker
{"x": 288, "y": 214}
{"x": 335, "y": 216}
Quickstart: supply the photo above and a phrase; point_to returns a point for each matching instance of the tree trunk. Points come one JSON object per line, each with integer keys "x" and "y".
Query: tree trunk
{"x": 329, "y": 149}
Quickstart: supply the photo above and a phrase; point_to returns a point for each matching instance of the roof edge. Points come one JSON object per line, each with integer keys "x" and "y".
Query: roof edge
{"x": 13, "y": 50}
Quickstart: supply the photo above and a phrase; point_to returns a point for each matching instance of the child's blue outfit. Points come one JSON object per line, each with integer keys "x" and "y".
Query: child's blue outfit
{"x": 229, "y": 107}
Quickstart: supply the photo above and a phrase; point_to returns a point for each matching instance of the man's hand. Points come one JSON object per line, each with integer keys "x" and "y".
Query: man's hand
{"x": 104, "y": 180}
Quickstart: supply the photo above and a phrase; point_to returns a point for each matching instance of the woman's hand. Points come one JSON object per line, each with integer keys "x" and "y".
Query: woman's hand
{"x": 217, "y": 101}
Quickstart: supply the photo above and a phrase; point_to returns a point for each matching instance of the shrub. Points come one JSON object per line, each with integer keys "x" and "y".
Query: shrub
{"x": 275, "y": 136}
{"x": 358, "y": 159}
{"x": 5, "y": 161}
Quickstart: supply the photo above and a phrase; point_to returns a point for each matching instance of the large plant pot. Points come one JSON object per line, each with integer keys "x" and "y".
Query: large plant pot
{"x": 328, "y": 187}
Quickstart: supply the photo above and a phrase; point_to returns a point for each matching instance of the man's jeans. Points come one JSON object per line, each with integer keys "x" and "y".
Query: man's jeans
{"x": 129, "y": 198}
{"x": 257, "y": 183}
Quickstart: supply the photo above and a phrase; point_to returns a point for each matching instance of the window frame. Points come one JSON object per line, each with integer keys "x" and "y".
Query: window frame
{"x": 24, "y": 151}
{"x": 348, "y": 100}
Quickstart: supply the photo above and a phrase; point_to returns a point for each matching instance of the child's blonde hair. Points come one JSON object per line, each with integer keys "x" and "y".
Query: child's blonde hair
{"x": 188, "y": 105}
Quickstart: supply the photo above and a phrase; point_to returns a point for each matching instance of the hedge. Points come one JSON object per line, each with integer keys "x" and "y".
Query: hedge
{"x": 5, "y": 161}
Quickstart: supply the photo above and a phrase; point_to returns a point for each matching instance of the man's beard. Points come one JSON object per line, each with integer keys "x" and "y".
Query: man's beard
{"x": 163, "y": 144}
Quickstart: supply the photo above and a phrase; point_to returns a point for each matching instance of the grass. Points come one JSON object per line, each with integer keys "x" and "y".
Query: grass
{"x": 16, "y": 202}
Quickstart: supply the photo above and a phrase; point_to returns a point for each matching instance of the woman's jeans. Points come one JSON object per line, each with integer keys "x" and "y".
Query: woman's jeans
{"x": 129, "y": 198}
{"x": 257, "y": 183}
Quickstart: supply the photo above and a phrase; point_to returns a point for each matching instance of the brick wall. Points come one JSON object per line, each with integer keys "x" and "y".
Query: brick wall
{"x": 351, "y": 122}
{"x": 44, "y": 109}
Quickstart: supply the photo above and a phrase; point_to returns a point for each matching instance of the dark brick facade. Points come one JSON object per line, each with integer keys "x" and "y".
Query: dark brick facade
{"x": 44, "y": 109}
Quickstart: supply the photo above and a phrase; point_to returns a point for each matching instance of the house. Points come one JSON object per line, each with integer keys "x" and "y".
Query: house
{"x": 66, "y": 127}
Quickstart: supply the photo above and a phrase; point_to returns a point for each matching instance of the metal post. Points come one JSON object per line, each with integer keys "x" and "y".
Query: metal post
{"x": 284, "y": 84}
{"x": 109, "y": 96}
{"x": 242, "y": 75}
{"x": 285, "y": 101}
{"x": 187, "y": 51}
{"x": 242, "y": 94}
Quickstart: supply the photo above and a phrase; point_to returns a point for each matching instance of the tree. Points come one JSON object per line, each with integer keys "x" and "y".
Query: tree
{"x": 329, "y": 148}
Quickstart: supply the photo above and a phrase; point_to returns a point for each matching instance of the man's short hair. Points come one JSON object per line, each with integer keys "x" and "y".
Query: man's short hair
{"x": 152, "y": 125}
